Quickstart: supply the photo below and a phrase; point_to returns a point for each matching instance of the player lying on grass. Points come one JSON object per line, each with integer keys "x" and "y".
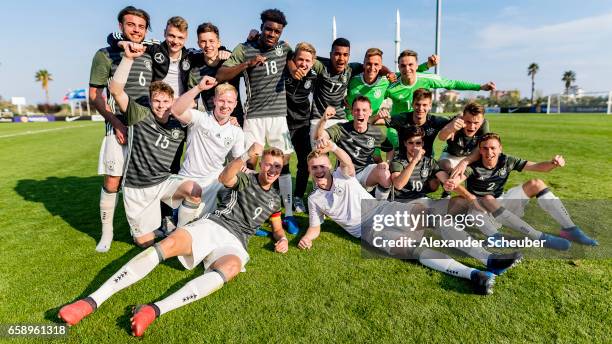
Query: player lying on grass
{"x": 155, "y": 137}
{"x": 218, "y": 240}
{"x": 410, "y": 174}
{"x": 359, "y": 139}
{"x": 210, "y": 137}
{"x": 340, "y": 195}
{"x": 486, "y": 179}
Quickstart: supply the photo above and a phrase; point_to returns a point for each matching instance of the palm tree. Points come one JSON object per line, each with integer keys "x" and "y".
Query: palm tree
{"x": 568, "y": 77}
{"x": 531, "y": 71}
{"x": 44, "y": 77}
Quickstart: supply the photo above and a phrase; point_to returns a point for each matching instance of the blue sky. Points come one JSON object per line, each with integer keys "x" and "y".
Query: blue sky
{"x": 481, "y": 40}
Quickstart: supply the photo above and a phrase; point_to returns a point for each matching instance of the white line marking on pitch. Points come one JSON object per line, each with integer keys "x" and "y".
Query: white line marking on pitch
{"x": 31, "y": 132}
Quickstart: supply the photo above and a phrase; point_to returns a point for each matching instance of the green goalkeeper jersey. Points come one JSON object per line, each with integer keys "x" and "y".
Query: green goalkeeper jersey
{"x": 401, "y": 94}
{"x": 375, "y": 92}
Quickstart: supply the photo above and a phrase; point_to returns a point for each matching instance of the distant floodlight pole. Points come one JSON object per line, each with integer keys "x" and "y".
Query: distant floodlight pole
{"x": 397, "y": 39}
{"x": 609, "y": 112}
{"x": 333, "y": 28}
{"x": 438, "y": 29}
{"x": 548, "y": 106}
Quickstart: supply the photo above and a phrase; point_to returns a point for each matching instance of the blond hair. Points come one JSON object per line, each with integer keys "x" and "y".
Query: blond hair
{"x": 225, "y": 87}
{"x": 178, "y": 22}
{"x": 307, "y": 47}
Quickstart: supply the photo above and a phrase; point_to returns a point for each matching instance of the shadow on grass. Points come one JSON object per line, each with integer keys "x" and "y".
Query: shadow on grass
{"x": 76, "y": 201}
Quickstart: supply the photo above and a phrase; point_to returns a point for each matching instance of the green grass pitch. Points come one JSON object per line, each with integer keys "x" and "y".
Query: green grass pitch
{"x": 49, "y": 225}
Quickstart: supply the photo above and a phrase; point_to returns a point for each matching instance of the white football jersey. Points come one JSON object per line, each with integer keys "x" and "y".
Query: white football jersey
{"x": 342, "y": 203}
{"x": 208, "y": 143}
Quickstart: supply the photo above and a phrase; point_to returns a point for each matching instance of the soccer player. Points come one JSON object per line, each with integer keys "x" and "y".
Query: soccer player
{"x": 262, "y": 63}
{"x": 207, "y": 62}
{"x": 333, "y": 76}
{"x": 339, "y": 196}
{"x": 134, "y": 24}
{"x": 210, "y": 137}
{"x": 154, "y": 139}
{"x": 219, "y": 241}
{"x": 410, "y": 174}
{"x": 419, "y": 116}
{"x": 462, "y": 134}
{"x": 401, "y": 92}
{"x": 486, "y": 179}
{"x": 359, "y": 139}
{"x": 298, "y": 115}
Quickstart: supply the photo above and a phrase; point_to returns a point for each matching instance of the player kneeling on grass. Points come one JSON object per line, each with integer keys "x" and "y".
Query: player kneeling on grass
{"x": 359, "y": 139}
{"x": 340, "y": 195}
{"x": 486, "y": 179}
{"x": 218, "y": 240}
{"x": 154, "y": 139}
{"x": 410, "y": 174}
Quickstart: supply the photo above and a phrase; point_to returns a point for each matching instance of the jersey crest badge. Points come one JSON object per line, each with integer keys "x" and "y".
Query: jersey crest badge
{"x": 430, "y": 131}
{"x": 502, "y": 172}
{"x": 272, "y": 204}
{"x": 227, "y": 141}
{"x": 279, "y": 50}
{"x": 424, "y": 173}
{"x": 343, "y": 78}
{"x": 185, "y": 65}
{"x": 176, "y": 133}
{"x": 147, "y": 64}
{"x": 307, "y": 84}
{"x": 159, "y": 58}
{"x": 338, "y": 190}
{"x": 370, "y": 142}
{"x": 377, "y": 93}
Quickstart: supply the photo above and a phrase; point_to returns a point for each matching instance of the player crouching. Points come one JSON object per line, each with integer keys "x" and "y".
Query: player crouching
{"x": 218, "y": 240}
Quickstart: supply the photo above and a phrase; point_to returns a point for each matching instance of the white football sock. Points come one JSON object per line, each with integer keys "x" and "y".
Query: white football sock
{"x": 508, "y": 219}
{"x": 441, "y": 262}
{"x": 450, "y": 233}
{"x": 553, "y": 206}
{"x": 285, "y": 186}
{"x": 137, "y": 268}
{"x": 381, "y": 193}
{"x": 108, "y": 202}
{"x": 488, "y": 227}
{"x": 194, "y": 290}
{"x": 188, "y": 211}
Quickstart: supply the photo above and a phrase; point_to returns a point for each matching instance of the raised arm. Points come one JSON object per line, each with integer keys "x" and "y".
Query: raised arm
{"x": 228, "y": 175}
{"x": 545, "y": 166}
{"x": 400, "y": 179}
{"x": 117, "y": 83}
{"x": 181, "y": 107}
{"x": 451, "y": 128}
{"x": 346, "y": 164}
{"x": 320, "y": 132}
{"x": 464, "y": 163}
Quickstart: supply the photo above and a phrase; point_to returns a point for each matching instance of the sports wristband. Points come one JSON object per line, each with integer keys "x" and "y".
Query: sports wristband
{"x": 281, "y": 239}
{"x": 245, "y": 156}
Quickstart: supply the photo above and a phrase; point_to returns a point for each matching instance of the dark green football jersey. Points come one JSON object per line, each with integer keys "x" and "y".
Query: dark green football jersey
{"x": 152, "y": 147}
{"x": 246, "y": 207}
{"x": 431, "y": 128}
{"x": 331, "y": 88}
{"x": 360, "y": 146}
{"x": 417, "y": 186}
{"x": 265, "y": 86}
{"x": 103, "y": 67}
{"x": 483, "y": 181}
{"x": 463, "y": 145}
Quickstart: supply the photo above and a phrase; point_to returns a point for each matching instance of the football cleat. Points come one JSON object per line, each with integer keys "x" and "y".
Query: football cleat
{"x": 262, "y": 232}
{"x": 298, "y": 205}
{"x": 291, "y": 224}
{"x": 143, "y": 316}
{"x": 483, "y": 282}
{"x": 75, "y": 312}
{"x": 576, "y": 234}
{"x": 499, "y": 263}
{"x": 554, "y": 242}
